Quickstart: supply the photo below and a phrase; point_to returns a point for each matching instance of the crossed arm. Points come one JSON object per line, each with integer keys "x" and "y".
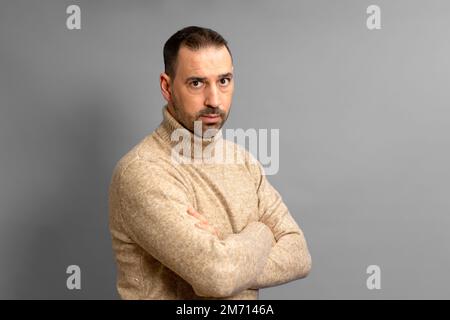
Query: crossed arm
{"x": 289, "y": 257}
{"x": 265, "y": 253}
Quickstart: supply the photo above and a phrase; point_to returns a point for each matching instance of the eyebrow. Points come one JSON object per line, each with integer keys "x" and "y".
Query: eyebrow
{"x": 203, "y": 79}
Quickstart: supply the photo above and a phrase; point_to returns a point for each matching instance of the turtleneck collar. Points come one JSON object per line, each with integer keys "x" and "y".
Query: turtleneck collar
{"x": 183, "y": 142}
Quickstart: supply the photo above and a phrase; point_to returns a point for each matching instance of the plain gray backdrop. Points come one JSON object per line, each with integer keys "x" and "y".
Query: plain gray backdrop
{"x": 364, "y": 134}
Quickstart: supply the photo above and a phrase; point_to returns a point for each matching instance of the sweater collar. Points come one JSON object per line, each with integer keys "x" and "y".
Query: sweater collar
{"x": 183, "y": 142}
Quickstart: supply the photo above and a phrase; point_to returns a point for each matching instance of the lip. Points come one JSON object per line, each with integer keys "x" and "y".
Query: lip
{"x": 209, "y": 118}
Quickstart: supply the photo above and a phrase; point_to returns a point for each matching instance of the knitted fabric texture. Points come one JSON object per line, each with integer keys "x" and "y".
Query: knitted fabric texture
{"x": 159, "y": 251}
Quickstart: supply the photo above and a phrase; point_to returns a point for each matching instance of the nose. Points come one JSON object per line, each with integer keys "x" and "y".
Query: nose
{"x": 212, "y": 98}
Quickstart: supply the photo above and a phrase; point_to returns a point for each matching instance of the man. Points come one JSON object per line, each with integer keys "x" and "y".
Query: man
{"x": 199, "y": 230}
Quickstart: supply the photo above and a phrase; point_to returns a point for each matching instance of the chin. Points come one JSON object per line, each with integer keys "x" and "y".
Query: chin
{"x": 208, "y": 127}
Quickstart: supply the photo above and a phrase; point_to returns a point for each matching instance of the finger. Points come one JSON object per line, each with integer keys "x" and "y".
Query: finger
{"x": 208, "y": 228}
{"x": 196, "y": 214}
{"x": 202, "y": 226}
{"x": 192, "y": 210}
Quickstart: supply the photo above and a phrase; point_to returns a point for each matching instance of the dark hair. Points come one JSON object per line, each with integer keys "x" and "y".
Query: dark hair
{"x": 192, "y": 37}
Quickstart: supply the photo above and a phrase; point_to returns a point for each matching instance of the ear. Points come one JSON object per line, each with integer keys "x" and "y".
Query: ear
{"x": 164, "y": 82}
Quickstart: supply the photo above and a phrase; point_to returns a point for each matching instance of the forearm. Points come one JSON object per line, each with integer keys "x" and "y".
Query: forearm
{"x": 246, "y": 255}
{"x": 289, "y": 260}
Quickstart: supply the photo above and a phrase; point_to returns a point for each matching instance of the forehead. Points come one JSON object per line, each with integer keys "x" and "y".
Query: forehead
{"x": 208, "y": 61}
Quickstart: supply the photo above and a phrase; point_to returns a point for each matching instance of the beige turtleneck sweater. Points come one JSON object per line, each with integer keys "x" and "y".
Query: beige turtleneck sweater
{"x": 161, "y": 254}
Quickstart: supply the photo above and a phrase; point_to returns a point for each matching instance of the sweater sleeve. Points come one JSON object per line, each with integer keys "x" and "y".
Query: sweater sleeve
{"x": 290, "y": 258}
{"x": 153, "y": 212}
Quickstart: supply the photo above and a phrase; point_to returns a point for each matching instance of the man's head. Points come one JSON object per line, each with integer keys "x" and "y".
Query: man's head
{"x": 198, "y": 79}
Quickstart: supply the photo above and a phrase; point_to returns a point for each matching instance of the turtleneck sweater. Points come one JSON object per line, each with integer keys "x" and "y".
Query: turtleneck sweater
{"x": 161, "y": 254}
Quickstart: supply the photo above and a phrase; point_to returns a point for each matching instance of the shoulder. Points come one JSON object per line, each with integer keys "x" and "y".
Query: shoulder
{"x": 144, "y": 165}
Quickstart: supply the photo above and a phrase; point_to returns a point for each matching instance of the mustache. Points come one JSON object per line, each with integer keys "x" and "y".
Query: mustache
{"x": 215, "y": 111}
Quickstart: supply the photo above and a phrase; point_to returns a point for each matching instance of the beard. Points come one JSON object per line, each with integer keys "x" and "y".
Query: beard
{"x": 208, "y": 130}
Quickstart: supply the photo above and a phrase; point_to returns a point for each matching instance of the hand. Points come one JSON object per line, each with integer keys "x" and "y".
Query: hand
{"x": 203, "y": 224}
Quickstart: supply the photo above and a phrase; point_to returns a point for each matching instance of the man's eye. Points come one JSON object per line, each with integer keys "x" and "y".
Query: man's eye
{"x": 224, "y": 81}
{"x": 196, "y": 84}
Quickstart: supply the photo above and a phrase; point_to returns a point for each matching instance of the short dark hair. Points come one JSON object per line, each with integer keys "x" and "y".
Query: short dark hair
{"x": 192, "y": 37}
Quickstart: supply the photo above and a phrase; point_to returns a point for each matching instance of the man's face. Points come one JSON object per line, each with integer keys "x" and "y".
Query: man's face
{"x": 203, "y": 87}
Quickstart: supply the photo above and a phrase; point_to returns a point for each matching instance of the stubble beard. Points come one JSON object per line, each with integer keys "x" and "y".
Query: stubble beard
{"x": 207, "y": 131}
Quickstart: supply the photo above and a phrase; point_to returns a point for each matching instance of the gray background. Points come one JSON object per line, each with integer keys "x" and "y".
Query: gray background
{"x": 364, "y": 134}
